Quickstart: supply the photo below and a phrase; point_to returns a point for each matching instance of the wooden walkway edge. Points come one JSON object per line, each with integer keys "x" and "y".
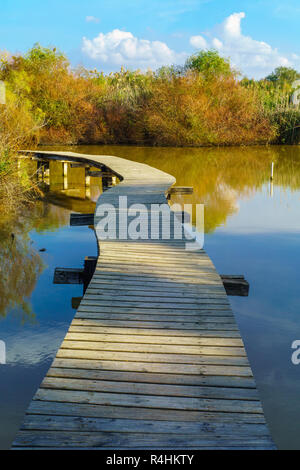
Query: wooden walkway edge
{"x": 153, "y": 358}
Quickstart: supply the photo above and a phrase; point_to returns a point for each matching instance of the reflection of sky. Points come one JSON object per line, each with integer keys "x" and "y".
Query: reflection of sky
{"x": 262, "y": 241}
{"x": 32, "y": 345}
{"x": 262, "y": 213}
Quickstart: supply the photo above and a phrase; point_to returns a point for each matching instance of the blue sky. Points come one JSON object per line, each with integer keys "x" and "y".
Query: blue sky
{"x": 257, "y": 35}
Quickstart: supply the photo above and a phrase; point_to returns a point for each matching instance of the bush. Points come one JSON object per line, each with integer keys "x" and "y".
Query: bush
{"x": 191, "y": 111}
{"x": 202, "y": 103}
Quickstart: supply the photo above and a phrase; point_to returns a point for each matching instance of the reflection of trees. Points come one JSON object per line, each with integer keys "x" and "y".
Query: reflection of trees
{"x": 20, "y": 264}
{"x": 70, "y": 203}
{"x": 20, "y": 267}
{"x": 219, "y": 176}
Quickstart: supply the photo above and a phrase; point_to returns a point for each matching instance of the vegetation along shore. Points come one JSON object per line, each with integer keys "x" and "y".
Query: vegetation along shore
{"x": 203, "y": 103}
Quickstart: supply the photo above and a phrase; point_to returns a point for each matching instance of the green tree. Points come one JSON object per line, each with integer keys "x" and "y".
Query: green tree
{"x": 209, "y": 64}
{"x": 283, "y": 75}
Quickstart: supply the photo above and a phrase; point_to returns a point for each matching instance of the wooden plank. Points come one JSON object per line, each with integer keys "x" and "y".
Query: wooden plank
{"x": 170, "y": 278}
{"x": 78, "y": 220}
{"x": 153, "y": 287}
{"x": 235, "y": 285}
{"x": 180, "y": 300}
{"x": 47, "y": 408}
{"x": 147, "y": 377}
{"x": 160, "y": 270}
{"x": 97, "y": 305}
{"x": 197, "y": 325}
{"x": 181, "y": 190}
{"x": 89, "y": 334}
{"x": 68, "y": 276}
{"x": 119, "y": 313}
{"x": 158, "y": 389}
{"x": 156, "y": 259}
{"x": 150, "y": 401}
{"x": 91, "y": 424}
{"x": 99, "y": 355}
{"x": 157, "y": 368}
{"x": 125, "y": 440}
{"x": 97, "y": 327}
{"x": 88, "y": 344}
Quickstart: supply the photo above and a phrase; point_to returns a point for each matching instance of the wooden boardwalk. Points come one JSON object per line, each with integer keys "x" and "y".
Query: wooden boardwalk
{"x": 153, "y": 358}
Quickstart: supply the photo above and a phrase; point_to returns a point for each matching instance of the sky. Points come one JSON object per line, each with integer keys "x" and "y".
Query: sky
{"x": 257, "y": 36}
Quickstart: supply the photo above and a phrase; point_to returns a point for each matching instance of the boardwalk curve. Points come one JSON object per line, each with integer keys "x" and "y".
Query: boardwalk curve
{"x": 153, "y": 357}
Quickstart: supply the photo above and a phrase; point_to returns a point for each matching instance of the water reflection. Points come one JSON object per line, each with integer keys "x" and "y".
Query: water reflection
{"x": 221, "y": 177}
{"x": 20, "y": 267}
{"x": 61, "y": 185}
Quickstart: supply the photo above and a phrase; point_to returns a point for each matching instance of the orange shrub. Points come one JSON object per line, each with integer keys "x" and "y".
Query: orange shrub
{"x": 190, "y": 110}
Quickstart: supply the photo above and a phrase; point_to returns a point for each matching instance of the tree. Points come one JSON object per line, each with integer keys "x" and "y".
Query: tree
{"x": 283, "y": 75}
{"x": 209, "y": 64}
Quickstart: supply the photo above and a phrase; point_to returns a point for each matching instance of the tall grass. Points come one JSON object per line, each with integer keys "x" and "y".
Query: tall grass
{"x": 275, "y": 102}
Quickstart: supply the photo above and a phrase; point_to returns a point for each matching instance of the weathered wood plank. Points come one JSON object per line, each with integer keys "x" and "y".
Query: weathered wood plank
{"x": 147, "y": 377}
{"x": 150, "y": 308}
{"x": 160, "y": 368}
{"x": 199, "y": 325}
{"x": 59, "y": 383}
{"x": 48, "y": 408}
{"x": 73, "y": 352}
{"x": 89, "y": 334}
{"x": 181, "y": 301}
{"x": 87, "y": 344}
{"x": 91, "y": 424}
{"x": 98, "y": 327}
{"x": 150, "y": 401}
{"x": 124, "y": 440}
{"x": 207, "y": 317}
{"x": 138, "y": 291}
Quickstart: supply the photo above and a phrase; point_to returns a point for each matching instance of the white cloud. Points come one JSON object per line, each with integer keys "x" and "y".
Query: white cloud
{"x": 253, "y": 57}
{"x": 118, "y": 48}
{"x": 92, "y": 19}
{"x": 232, "y": 25}
{"x": 217, "y": 43}
{"x": 199, "y": 42}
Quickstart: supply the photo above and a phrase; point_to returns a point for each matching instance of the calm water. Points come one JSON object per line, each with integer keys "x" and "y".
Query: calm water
{"x": 252, "y": 228}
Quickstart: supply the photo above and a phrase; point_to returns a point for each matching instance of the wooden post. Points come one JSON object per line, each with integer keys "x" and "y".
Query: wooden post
{"x": 75, "y": 302}
{"x": 65, "y": 175}
{"x": 179, "y": 190}
{"x": 272, "y": 171}
{"x": 77, "y": 275}
{"x": 235, "y": 284}
{"x": 90, "y": 263}
{"x": 77, "y": 220}
{"x": 87, "y": 184}
{"x": 106, "y": 182}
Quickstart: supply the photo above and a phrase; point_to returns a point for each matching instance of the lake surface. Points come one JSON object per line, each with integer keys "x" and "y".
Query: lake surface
{"x": 252, "y": 228}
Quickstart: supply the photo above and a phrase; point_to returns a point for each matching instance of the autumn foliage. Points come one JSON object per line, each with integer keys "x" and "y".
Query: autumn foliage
{"x": 200, "y": 104}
